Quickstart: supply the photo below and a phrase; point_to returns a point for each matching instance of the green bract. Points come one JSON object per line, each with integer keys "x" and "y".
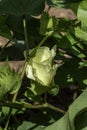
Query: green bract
{"x": 41, "y": 68}
{"x": 10, "y": 81}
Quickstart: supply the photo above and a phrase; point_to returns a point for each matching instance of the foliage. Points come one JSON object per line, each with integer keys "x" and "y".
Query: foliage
{"x": 27, "y": 8}
{"x": 35, "y": 98}
{"x": 7, "y": 84}
{"x": 68, "y": 121}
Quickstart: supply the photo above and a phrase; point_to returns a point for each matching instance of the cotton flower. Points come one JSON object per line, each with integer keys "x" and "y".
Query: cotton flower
{"x": 41, "y": 68}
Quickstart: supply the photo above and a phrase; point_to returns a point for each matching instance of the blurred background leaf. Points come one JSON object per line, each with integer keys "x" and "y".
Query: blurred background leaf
{"x": 20, "y": 8}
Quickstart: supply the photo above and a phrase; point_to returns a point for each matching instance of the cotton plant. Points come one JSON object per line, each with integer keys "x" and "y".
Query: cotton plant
{"x": 41, "y": 69}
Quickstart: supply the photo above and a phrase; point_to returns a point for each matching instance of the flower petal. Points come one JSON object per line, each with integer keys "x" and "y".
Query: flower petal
{"x": 42, "y": 54}
{"x": 29, "y": 72}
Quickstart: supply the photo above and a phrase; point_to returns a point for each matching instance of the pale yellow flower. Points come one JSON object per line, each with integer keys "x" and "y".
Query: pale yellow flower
{"x": 41, "y": 67}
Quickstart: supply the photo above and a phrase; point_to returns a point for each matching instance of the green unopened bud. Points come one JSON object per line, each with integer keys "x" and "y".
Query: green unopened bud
{"x": 50, "y": 24}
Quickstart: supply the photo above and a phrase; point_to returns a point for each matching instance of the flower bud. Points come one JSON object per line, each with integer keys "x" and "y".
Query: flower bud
{"x": 41, "y": 68}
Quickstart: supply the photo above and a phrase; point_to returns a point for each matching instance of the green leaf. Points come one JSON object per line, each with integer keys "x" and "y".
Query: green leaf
{"x": 82, "y": 13}
{"x": 5, "y": 31}
{"x": 36, "y": 89}
{"x": 39, "y": 120}
{"x": 81, "y": 121}
{"x": 5, "y": 111}
{"x": 71, "y": 72}
{"x": 57, "y": 3}
{"x": 54, "y": 90}
{"x": 1, "y": 128}
{"x": 9, "y": 81}
{"x": 67, "y": 121}
{"x": 29, "y": 125}
{"x": 81, "y": 34}
{"x": 63, "y": 3}
{"x": 3, "y": 19}
{"x": 83, "y": 64}
{"x": 21, "y": 7}
{"x": 48, "y": 24}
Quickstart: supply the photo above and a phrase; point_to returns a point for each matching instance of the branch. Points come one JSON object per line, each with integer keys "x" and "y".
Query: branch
{"x": 18, "y": 105}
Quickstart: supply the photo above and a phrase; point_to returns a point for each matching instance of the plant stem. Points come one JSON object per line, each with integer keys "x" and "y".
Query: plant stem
{"x": 41, "y": 43}
{"x": 14, "y": 98}
{"x": 25, "y": 32}
{"x": 19, "y": 105}
{"x": 23, "y": 72}
{"x": 45, "y": 97}
{"x": 22, "y": 75}
{"x": 56, "y": 108}
{"x": 8, "y": 119}
{"x": 44, "y": 39}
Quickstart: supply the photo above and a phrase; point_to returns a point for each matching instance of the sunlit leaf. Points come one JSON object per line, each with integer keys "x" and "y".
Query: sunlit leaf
{"x": 81, "y": 34}
{"x": 82, "y": 14}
